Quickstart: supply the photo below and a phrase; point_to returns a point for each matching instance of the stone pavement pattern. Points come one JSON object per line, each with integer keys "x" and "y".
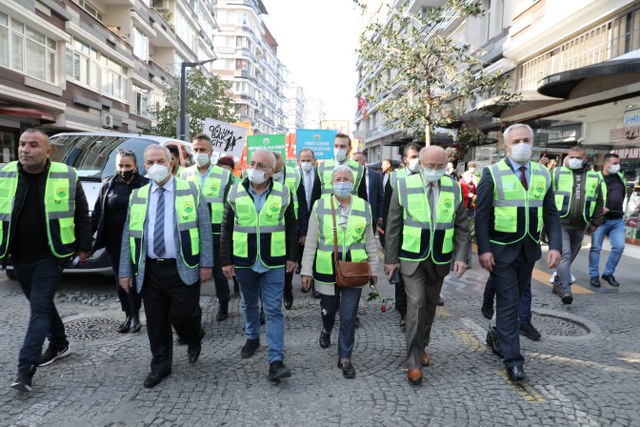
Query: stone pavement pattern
{"x": 584, "y": 372}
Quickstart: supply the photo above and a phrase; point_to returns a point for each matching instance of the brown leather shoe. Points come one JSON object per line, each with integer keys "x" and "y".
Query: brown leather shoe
{"x": 425, "y": 359}
{"x": 414, "y": 376}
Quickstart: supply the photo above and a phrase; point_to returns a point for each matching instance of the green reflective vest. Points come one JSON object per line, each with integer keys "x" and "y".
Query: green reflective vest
{"x": 325, "y": 169}
{"x": 396, "y": 175}
{"x": 421, "y": 238}
{"x": 187, "y": 199}
{"x": 351, "y": 241}
{"x": 563, "y": 192}
{"x": 59, "y": 207}
{"x": 292, "y": 179}
{"x": 213, "y": 191}
{"x": 263, "y": 233}
{"x": 517, "y": 212}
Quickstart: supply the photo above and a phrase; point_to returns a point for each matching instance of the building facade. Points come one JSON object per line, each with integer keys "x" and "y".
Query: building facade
{"x": 314, "y": 113}
{"x": 295, "y": 107}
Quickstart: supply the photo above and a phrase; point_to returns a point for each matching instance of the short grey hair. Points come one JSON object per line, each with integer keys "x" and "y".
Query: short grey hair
{"x": 158, "y": 147}
{"x": 508, "y": 130}
{"x": 272, "y": 158}
{"x": 341, "y": 168}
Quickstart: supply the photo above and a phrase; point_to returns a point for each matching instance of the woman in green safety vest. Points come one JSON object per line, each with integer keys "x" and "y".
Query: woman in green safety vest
{"x": 355, "y": 243}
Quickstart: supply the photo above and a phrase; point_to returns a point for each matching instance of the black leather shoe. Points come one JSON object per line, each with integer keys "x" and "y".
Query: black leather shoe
{"x": 126, "y": 325}
{"x": 529, "y": 331}
{"x": 194, "y": 353}
{"x": 403, "y": 321}
{"x": 516, "y": 374}
{"x": 135, "y": 324}
{"x": 595, "y": 281}
{"x": 153, "y": 379}
{"x": 440, "y": 302}
{"x": 223, "y": 311}
{"x": 357, "y": 322}
{"x": 288, "y": 300}
{"x": 487, "y": 310}
{"x": 278, "y": 371}
{"x": 325, "y": 339}
{"x": 348, "y": 371}
{"x": 249, "y": 348}
{"x": 612, "y": 280}
{"x": 492, "y": 343}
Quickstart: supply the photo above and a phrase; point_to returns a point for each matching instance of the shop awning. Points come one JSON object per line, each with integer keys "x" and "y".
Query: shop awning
{"x": 560, "y": 85}
{"x": 30, "y": 113}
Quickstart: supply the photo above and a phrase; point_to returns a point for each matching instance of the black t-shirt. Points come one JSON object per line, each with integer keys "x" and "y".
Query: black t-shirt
{"x": 115, "y": 209}
{"x": 30, "y": 242}
{"x": 615, "y": 196}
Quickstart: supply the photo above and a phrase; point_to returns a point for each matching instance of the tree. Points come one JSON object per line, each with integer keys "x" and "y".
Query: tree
{"x": 207, "y": 97}
{"x": 418, "y": 76}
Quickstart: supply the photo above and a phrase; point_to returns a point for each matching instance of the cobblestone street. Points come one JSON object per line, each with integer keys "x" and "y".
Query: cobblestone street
{"x": 584, "y": 371}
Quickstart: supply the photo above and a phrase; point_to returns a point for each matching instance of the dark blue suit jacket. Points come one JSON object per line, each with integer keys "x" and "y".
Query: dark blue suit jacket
{"x": 484, "y": 219}
{"x": 375, "y": 194}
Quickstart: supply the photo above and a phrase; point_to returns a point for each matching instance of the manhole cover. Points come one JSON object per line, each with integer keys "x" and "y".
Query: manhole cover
{"x": 553, "y": 325}
{"x": 92, "y": 328}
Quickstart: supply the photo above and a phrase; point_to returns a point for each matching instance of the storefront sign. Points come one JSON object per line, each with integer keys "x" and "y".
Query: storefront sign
{"x": 631, "y": 118}
{"x": 628, "y": 135}
{"x": 628, "y": 153}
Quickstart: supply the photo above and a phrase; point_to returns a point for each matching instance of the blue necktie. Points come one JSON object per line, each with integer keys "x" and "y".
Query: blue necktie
{"x": 158, "y": 229}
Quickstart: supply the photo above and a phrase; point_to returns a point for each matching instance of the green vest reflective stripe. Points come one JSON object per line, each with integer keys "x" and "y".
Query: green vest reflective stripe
{"x": 217, "y": 180}
{"x": 187, "y": 199}
{"x": 59, "y": 207}
{"x": 263, "y": 233}
{"x": 326, "y": 168}
{"x": 563, "y": 192}
{"x": 603, "y": 184}
{"x": 292, "y": 180}
{"x": 421, "y": 238}
{"x": 351, "y": 242}
{"x": 517, "y": 212}
{"x": 395, "y": 176}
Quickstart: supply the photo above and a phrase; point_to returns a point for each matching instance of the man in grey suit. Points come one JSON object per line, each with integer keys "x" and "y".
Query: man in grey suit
{"x": 167, "y": 246}
{"x": 427, "y": 221}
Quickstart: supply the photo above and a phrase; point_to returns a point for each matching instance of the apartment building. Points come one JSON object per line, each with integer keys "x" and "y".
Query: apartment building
{"x": 295, "y": 107}
{"x": 249, "y": 60}
{"x": 94, "y": 65}
{"x": 314, "y": 113}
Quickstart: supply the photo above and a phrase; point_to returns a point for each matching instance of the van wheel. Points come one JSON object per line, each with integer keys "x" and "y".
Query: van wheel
{"x": 11, "y": 274}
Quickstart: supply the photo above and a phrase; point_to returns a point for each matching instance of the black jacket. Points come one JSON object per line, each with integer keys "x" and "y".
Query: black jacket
{"x": 81, "y": 216}
{"x": 98, "y": 214}
{"x": 228, "y": 219}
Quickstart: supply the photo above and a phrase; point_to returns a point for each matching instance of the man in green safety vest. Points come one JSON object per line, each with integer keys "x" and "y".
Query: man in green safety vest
{"x": 214, "y": 183}
{"x": 259, "y": 244}
{"x": 44, "y": 224}
{"x": 167, "y": 253}
{"x": 514, "y": 199}
{"x": 426, "y": 225}
{"x": 579, "y": 200}
{"x": 292, "y": 178}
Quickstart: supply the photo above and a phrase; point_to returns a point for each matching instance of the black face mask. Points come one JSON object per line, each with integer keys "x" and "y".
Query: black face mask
{"x": 126, "y": 175}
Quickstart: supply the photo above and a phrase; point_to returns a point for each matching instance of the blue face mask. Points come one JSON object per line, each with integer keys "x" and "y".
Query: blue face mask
{"x": 342, "y": 189}
{"x": 432, "y": 175}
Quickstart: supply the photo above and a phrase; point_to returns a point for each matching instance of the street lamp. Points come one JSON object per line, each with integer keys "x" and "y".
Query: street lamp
{"x": 183, "y": 132}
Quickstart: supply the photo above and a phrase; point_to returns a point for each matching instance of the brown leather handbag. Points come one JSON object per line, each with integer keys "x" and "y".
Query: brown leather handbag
{"x": 348, "y": 274}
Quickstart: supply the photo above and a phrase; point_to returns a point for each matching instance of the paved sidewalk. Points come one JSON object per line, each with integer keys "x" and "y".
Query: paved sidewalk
{"x": 584, "y": 372}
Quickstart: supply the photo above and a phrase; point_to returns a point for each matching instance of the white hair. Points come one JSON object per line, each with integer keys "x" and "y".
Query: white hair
{"x": 516, "y": 126}
{"x": 158, "y": 147}
{"x": 341, "y": 168}
{"x": 272, "y": 158}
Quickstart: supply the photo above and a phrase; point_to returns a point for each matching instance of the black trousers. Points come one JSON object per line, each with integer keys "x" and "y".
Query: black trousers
{"x": 132, "y": 301}
{"x": 219, "y": 279}
{"x": 169, "y": 301}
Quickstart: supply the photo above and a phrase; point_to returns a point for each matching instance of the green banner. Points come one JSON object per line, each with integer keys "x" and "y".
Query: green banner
{"x": 266, "y": 142}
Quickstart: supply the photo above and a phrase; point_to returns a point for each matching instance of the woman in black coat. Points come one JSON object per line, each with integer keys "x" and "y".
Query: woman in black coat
{"x": 108, "y": 218}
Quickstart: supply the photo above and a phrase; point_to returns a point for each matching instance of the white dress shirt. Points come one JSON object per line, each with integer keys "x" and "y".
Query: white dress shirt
{"x": 169, "y": 214}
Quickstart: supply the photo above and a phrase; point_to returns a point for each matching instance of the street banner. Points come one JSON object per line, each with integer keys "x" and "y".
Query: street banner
{"x": 226, "y": 139}
{"x": 318, "y": 140}
{"x": 267, "y": 142}
{"x": 291, "y": 146}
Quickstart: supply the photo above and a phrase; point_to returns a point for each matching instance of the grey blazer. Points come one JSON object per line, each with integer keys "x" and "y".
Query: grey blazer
{"x": 394, "y": 230}
{"x": 188, "y": 275}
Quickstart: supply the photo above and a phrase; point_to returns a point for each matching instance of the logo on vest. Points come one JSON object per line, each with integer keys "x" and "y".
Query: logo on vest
{"x": 188, "y": 210}
{"x": 359, "y": 230}
{"x": 539, "y": 190}
{"x": 448, "y": 203}
{"x": 212, "y": 190}
{"x": 273, "y": 208}
{"x": 61, "y": 193}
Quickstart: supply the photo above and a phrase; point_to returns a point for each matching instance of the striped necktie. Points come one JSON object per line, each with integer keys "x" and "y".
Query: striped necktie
{"x": 158, "y": 229}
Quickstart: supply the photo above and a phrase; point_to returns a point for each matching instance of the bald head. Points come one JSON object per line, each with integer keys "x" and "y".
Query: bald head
{"x": 433, "y": 157}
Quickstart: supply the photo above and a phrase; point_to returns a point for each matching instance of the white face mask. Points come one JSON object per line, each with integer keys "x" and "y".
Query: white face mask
{"x": 521, "y": 152}
{"x": 158, "y": 173}
{"x": 614, "y": 169}
{"x": 256, "y": 176}
{"x": 340, "y": 154}
{"x": 277, "y": 176}
{"x": 413, "y": 165}
{"x": 202, "y": 159}
{"x": 574, "y": 163}
{"x": 306, "y": 166}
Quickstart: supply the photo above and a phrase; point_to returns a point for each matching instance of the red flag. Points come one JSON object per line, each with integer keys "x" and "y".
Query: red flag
{"x": 362, "y": 106}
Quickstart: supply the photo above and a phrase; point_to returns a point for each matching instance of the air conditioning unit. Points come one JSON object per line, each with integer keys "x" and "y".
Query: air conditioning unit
{"x": 107, "y": 120}
{"x": 161, "y": 4}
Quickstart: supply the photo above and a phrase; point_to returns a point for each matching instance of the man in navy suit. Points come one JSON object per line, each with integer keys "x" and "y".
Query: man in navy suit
{"x": 375, "y": 190}
{"x": 512, "y": 195}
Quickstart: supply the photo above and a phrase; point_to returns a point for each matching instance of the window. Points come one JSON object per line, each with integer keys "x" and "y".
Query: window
{"x": 140, "y": 104}
{"x": 140, "y": 45}
{"x": 81, "y": 64}
{"x": 114, "y": 78}
{"x": 90, "y": 9}
{"x": 26, "y": 50}
{"x": 185, "y": 30}
{"x": 242, "y": 18}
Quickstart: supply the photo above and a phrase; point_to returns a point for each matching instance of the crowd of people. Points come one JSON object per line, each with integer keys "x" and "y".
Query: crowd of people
{"x": 169, "y": 231}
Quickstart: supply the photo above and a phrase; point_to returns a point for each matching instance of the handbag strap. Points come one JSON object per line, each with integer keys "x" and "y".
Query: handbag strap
{"x": 335, "y": 233}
